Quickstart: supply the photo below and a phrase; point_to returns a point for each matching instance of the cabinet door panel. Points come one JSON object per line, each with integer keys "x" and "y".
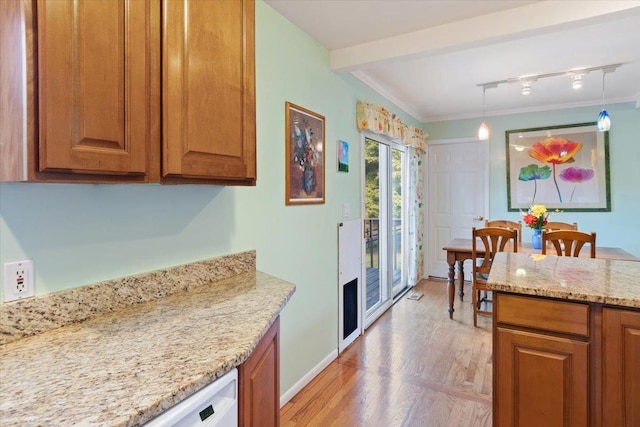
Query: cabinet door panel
{"x": 541, "y": 380}
{"x": 209, "y": 89}
{"x": 259, "y": 382}
{"x": 94, "y": 86}
{"x": 621, "y": 366}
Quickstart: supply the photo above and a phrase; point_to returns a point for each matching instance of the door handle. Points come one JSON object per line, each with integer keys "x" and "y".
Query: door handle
{"x": 478, "y": 218}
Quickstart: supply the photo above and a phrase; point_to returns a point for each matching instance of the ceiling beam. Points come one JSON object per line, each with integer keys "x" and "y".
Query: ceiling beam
{"x": 525, "y": 21}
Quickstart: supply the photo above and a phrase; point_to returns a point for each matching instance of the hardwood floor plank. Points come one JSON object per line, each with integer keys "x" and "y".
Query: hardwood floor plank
{"x": 413, "y": 367}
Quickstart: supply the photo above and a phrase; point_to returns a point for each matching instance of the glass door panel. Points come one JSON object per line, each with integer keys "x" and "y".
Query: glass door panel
{"x": 374, "y": 239}
{"x": 384, "y": 229}
{"x": 397, "y": 222}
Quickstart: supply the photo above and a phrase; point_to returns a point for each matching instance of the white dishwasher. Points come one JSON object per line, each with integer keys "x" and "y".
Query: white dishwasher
{"x": 214, "y": 405}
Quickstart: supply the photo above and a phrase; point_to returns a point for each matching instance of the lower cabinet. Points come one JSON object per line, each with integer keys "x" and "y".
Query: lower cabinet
{"x": 621, "y": 367}
{"x": 546, "y": 378}
{"x": 563, "y": 363}
{"x": 259, "y": 382}
{"x": 540, "y": 378}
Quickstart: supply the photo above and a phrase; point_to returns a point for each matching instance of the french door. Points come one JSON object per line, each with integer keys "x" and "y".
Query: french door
{"x": 385, "y": 224}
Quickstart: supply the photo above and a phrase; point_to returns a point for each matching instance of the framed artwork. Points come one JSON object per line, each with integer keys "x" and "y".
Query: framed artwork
{"x": 343, "y": 156}
{"x": 304, "y": 162}
{"x": 562, "y": 167}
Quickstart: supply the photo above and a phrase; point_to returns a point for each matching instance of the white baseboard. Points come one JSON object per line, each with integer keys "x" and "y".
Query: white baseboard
{"x": 286, "y": 396}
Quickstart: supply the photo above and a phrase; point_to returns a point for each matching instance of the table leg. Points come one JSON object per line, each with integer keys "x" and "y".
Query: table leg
{"x": 451, "y": 287}
{"x": 461, "y": 279}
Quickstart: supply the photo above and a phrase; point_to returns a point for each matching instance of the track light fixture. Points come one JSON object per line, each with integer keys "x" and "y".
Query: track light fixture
{"x": 604, "y": 121}
{"x": 577, "y": 81}
{"x": 576, "y": 76}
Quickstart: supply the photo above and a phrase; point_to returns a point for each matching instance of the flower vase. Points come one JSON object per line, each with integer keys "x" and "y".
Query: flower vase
{"x": 308, "y": 179}
{"x": 536, "y": 239}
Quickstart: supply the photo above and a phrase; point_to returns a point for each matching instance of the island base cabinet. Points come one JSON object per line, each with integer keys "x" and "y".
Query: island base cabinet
{"x": 621, "y": 367}
{"x": 541, "y": 380}
{"x": 259, "y": 382}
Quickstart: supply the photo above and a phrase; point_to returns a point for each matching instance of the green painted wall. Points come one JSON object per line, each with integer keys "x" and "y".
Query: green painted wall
{"x": 620, "y": 227}
{"x": 80, "y": 234}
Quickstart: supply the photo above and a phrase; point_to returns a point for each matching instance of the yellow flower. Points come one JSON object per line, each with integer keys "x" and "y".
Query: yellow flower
{"x": 538, "y": 210}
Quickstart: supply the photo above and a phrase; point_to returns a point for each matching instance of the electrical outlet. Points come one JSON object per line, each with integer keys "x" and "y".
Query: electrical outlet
{"x": 18, "y": 280}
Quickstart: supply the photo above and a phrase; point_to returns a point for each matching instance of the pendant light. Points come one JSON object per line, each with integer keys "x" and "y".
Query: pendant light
{"x": 604, "y": 121}
{"x": 483, "y": 131}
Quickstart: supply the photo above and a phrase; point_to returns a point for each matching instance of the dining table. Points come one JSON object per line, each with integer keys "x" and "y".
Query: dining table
{"x": 459, "y": 250}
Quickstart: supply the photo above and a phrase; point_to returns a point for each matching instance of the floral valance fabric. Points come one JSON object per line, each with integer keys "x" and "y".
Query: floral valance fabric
{"x": 378, "y": 119}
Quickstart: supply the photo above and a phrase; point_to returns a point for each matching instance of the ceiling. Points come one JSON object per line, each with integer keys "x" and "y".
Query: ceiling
{"x": 429, "y": 57}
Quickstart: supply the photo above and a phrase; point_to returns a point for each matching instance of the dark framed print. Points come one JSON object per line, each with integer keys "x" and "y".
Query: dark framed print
{"x": 305, "y": 156}
{"x": 562, "y": 167}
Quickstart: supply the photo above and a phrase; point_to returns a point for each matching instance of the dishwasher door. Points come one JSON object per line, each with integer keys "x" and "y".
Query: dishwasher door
{"x": 214, "y": 405}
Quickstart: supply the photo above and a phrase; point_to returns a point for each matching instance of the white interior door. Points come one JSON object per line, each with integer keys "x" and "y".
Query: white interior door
{"x": 458, "y": 196}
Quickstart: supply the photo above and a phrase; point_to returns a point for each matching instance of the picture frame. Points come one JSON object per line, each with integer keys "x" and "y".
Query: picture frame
{"x": 343, "y": 156}
{"x": 563, "y": 167}
{"x": 304, "y": 156}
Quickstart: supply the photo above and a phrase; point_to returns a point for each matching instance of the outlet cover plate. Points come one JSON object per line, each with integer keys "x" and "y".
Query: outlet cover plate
{"x": 18, "y": 280}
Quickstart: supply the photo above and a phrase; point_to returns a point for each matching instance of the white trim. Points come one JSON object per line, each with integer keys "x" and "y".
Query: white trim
{"x": 364, "y": 78}
{"x": 511, "y": 111}
{"x": 455, "y": 141}
{"x": 307, "y": 378}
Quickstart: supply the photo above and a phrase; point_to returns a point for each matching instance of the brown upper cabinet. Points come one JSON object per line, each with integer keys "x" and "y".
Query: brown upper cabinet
{"x": 102, "y": 106}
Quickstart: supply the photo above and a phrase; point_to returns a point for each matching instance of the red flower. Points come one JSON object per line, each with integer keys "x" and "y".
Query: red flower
{"x": 555, "y": 150}
{"x": 529, "y": 219}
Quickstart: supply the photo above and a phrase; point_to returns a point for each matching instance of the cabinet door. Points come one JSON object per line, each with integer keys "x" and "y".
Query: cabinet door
{"x": 208, "y": 86}
{"x": 621, "y": 367}
{"x": 94, "y": 68}
{"x": 259, "y": 382}
{"x": 540, "y": 380}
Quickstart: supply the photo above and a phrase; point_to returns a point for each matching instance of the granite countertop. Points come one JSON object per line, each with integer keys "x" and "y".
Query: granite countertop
{"x": 124, "y": 367}
{"x": 605, "y": 281}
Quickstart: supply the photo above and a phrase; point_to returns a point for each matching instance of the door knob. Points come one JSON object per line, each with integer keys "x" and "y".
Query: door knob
{"x": 478, "y": 218}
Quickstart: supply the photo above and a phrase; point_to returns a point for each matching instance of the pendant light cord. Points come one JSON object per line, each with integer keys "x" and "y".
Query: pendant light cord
{"x": 603, "y": 74}
{"x": 484, "y": 90}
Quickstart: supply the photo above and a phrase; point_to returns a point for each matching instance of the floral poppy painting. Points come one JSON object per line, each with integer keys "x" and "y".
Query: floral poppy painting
{"x": 563, "y": 167}
{"x": 304, "y": 162}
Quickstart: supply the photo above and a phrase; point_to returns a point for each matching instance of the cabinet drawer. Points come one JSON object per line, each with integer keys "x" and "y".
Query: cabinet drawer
{"x": 550, "y": 315}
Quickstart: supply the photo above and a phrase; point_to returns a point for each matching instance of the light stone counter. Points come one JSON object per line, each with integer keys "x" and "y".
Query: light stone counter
{"x": 603, "y": 281}
{"x": 125, "y": 366}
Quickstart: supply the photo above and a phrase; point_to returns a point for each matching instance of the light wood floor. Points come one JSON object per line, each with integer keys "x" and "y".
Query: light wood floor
{"x": 414, "y": 367}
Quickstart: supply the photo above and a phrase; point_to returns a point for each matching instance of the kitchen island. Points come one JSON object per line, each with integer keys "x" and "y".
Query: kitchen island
{"x": 566, "y": 341}
{"x": 124, "y": 366}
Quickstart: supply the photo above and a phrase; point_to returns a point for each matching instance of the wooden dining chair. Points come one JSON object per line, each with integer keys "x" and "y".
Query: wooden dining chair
{"x": 556, "y": 225}
{"x": 492, "y": 240}
{"x": 568, "y": 242}
{"x": 504, "y": 223}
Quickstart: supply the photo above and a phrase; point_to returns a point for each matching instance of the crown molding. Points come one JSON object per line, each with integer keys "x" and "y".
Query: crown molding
{"x": 364, "y": 78}
{"x": 494, "y": 113}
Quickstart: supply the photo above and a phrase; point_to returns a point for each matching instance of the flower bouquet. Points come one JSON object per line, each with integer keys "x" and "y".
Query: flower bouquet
{"x": 536, "y": 217}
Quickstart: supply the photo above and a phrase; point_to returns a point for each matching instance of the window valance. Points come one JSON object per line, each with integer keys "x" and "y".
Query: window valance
{"x": 378, "y": 119}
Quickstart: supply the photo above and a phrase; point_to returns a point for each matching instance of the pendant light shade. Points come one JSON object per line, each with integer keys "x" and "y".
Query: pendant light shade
{"x": 483, "y": 131}
{"x": 604, "y": 121}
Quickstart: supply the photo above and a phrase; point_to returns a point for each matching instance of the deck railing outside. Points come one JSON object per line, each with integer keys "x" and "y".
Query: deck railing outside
{"x": 372, "y": 239}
